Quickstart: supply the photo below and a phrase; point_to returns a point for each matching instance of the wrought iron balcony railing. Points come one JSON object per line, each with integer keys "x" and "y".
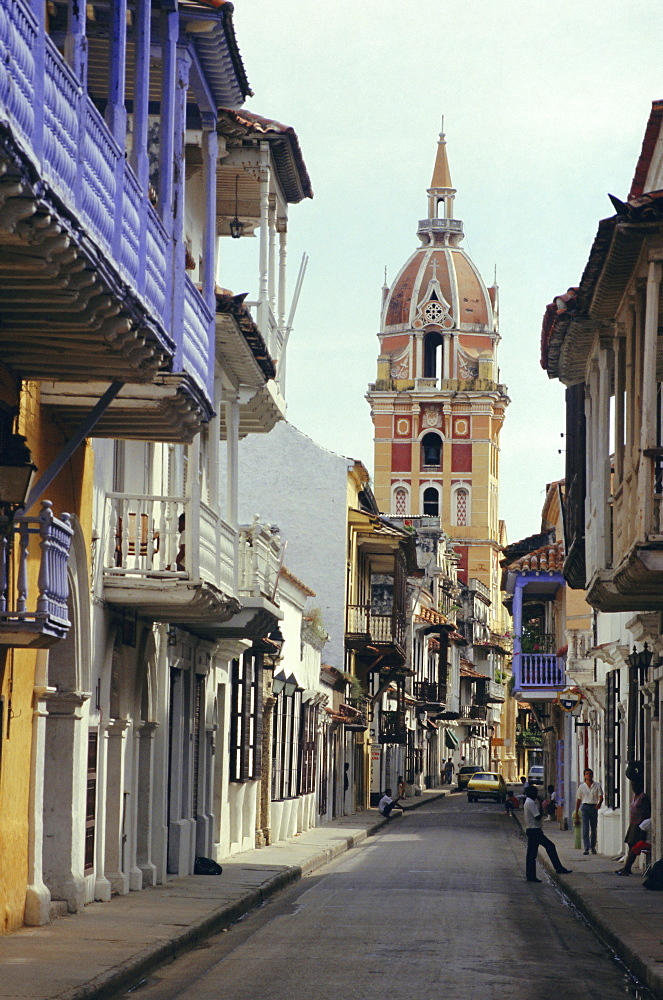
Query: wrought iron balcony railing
{"x": 33, "y": 601}
{"x": 430, "y": 692}
{"x": 479, "y": 712}
{"x": 393, "y": 728}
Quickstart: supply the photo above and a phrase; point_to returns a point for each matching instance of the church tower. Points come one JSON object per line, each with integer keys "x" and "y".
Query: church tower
{"x": 437, "y": 404}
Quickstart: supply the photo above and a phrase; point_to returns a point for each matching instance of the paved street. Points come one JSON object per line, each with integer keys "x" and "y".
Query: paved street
{"x": 435, "y": 904}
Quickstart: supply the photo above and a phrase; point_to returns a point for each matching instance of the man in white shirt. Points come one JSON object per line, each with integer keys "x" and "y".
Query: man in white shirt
{"x": 536, "y": 838}
{"x": 588, "y": 802}
{"x": 386, "y": 804}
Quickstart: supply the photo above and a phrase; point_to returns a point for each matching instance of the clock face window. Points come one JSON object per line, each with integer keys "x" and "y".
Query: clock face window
{"x": 434, "y": 312}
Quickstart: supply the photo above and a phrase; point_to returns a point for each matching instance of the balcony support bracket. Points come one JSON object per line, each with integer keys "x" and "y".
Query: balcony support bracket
{"x": 56, "y": 466}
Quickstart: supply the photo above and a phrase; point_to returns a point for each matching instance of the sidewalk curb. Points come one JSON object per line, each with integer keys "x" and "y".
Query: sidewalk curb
{"x": 644, "y": 971}
{"x": 128, "y": 973}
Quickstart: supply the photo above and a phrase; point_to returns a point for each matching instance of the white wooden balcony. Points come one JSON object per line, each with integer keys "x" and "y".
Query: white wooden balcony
{"x": 169, "y": 561}
{"x": 34, "y": 589}
{"x": 174, "y": 561}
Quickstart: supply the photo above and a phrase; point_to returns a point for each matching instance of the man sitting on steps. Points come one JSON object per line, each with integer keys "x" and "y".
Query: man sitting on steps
{"x": 387, "y": 804}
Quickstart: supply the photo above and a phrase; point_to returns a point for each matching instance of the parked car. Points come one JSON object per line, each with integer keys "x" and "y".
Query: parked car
{"x": 464, "y": 775}
{"x": 486, "y": 785}
{"x": 535, "y": 774}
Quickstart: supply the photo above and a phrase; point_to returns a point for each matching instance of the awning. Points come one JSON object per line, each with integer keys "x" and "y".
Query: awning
{"x": 451, "y": 741}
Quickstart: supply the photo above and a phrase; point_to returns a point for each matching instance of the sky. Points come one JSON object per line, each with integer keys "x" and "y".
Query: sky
{"x": 545, "y": 105}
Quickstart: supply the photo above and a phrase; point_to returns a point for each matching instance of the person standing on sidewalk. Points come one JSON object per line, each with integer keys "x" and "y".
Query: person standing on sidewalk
{"x": 588, "y": 803}
{"x": 536, "y": 838}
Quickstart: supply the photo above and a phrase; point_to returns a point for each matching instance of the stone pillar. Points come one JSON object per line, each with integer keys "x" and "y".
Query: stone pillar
{"x": 116, "y": 806}
{"x": 64, "y": 809}
{"x": 145, "y": 803}
{"x": 37, "y": 896}
{"x": 102, "y": 887}
{"x": 264, "y": 824}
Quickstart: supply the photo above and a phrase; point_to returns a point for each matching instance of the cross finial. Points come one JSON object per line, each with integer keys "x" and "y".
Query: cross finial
{"x": 442, "y": 125}
{"x": 385, "y": 274}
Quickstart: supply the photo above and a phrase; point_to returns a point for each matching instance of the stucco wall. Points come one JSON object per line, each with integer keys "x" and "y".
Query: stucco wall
{"x": 289, "y": 480}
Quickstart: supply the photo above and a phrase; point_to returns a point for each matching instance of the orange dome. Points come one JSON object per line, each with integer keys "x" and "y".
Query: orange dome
{"x": 439, "y": 286}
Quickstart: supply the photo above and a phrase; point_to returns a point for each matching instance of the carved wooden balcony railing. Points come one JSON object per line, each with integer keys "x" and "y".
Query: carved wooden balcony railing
{"x": 168, "y": 560}
{"x": 539, "y": 670}
{"x": 364, "y": 625}
{"x": 34, "y": 589}
{"x": 90, "y": 239}
{"x": 259, "y": 561}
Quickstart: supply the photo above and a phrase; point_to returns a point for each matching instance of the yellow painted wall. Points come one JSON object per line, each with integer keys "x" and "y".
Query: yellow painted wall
{"x": 71, "y": 491}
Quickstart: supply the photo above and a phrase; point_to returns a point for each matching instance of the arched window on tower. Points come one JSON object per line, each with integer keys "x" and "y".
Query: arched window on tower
{"x": 431, "y": 450}
{"x": 433, "y": 342}
{"x": 431, "y": 501}
{"x": 462, "y": 497}
{"x": 400, "y": 502}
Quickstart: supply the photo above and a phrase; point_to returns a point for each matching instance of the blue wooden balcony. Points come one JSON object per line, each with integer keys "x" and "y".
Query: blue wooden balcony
{"x": 538, "y": 676}
{"x": 92, "y": 283}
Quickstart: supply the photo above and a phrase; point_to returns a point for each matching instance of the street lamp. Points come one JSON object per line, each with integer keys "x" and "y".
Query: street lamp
{"x": 278, "y": 683}
{"x": 274, "y": 643}
{"x": 16, "y": 467}
{"x": 290, "y": 686}
{"x": 236, "y": 227}
{"x": 640, "y": 661}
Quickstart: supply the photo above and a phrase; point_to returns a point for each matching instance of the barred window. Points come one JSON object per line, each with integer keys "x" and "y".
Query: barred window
{"x": 612, "y": 740}
{"x": 246, "y": 718}
{"x": 285, "y": 745}
{"x": 309, "y": 747}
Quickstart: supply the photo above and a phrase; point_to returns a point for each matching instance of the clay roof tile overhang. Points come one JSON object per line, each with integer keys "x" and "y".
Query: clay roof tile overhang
{"x": 379, "y": 536}
{"x": 218, "y": 50}
{"x": 286, "y": 151}
{"x": 472, "y": 674}
{"x": 572, "y": 320}
{"x": 652, "y": 133}
{"x": 233, "y": 305}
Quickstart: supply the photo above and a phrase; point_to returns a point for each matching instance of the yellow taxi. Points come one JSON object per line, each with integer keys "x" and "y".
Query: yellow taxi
{"x": 486, "y": 785}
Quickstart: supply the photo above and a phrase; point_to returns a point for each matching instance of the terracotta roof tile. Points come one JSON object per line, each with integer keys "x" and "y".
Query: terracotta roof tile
{"x": 547, "y": 559}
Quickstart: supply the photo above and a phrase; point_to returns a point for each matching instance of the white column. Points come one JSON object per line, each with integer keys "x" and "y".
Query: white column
{"x": 618, "y": 350}
{"x": 648, "y": 426}
{"x": 263, "y": 295}
{"x": 102, "y": 887}
{"x": 145, "y": 802}
{"x": 271, "y": 278}
{"x": 116, "y": 807}
{"x": 232, "y": 446}
{"x": 64, "y": 785}
{"x": 603, "y": 509}
{"x": 192, "y": 528}
{"x": 37, "y": 897}
{"x": 283, "y": 253}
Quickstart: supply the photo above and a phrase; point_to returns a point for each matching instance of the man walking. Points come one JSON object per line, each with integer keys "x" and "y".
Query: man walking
{"x": 536, "y": 838}
{"x": 588, "y": 803}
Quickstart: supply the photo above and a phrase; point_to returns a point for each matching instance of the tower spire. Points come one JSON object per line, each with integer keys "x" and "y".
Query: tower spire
{"x": 440, "y": 227}
{"x": 441, "y": 173}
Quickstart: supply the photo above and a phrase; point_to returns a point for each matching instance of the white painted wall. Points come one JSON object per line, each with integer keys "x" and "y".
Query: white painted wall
{"x": 291, "y": 481}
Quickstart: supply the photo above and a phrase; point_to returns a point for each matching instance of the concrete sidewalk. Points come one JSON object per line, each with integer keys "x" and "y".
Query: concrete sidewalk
{"x": 626, "y": 916}
{"x": 109, "y": 947}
